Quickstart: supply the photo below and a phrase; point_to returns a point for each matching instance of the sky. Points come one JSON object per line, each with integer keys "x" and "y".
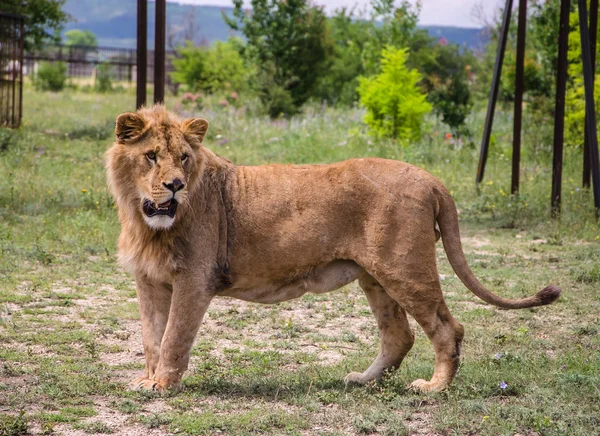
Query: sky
{"x": 434, "y": 12}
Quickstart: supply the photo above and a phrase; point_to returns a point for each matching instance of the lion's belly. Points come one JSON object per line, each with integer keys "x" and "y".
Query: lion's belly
{"x": 323, "y": 279}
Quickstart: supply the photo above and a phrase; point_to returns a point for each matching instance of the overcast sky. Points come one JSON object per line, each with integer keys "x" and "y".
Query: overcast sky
{"x": 441, "y": 12}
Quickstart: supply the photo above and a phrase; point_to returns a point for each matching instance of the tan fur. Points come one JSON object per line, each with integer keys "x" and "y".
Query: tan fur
{"x": 274, "y": 232}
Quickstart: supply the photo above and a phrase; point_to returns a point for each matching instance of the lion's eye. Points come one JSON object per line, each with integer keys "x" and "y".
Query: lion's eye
{"x": 151, "y": 155}
{"x": 184, "y": 157}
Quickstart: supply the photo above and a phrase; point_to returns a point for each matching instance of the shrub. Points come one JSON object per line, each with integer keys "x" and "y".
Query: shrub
{"x": 219, "y": 68}
{"x": 395, "y": 106}
{"x": 278, "y": 102}
{"x": 6, "y": 136}
{"x": 103, "y": 78}
{"x": 446, "y": 80}
{"x": 224, "y": 69}
{"x": 51, "y": 76}
{"x": 189, "y": 66}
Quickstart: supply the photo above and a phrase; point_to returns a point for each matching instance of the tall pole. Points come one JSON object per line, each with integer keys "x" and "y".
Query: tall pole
{"x": 142, "y": 52}
{"x": 586, "y": 57}
{"x": 559, "y": 111}
{"x": 159, "y": 51}
{"x": 21, "y": 50}
{"x": 489, "y": 118}
{"x": 519, "y": 82}
{"x": 587, "y": 168}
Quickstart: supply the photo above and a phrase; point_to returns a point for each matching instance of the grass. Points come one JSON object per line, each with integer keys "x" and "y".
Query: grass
{"x": 69, "y": 328}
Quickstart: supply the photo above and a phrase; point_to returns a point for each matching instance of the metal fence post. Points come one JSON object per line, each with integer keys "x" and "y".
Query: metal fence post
{"x": 489, "y": 118}
{"x": 559, "y": 111}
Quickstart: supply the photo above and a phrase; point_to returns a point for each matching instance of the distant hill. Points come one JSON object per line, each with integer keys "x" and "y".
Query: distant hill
{"x": 114, "y": 23}
{"x": 474, "y": 39}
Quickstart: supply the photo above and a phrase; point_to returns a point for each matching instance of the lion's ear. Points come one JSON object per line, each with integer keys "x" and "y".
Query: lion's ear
{"x": 129, "y": 126}
{"x": 195, "y": 127}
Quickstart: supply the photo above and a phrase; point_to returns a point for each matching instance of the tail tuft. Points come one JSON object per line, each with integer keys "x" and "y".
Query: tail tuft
{"x": 548, "y": 295}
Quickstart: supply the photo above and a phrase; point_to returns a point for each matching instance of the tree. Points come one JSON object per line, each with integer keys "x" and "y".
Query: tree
{"x": 358, "y": 44}
{"x": 358, "y": 41}
{"x": 446, "y": 73}
{"x": 391, "y": 26}
{"x": 350, "y": 37}
{"x": 81, "y": 37}
{"x": 290, "y": 44}
{"x": 42, "y": 18}
{"x": 395, "y": 105}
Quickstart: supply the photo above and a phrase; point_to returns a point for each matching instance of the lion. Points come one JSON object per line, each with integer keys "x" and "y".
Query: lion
{"x": 194, "y": 226}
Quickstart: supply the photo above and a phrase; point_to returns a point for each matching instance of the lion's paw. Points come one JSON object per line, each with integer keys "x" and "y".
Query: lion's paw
{"x": 145, "y": 384}
{"x": 357, "y": 377}
{"x": 427, "y": 386}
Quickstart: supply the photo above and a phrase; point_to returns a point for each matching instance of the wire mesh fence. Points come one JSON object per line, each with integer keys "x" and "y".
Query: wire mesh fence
{"x": 83, "y": 61}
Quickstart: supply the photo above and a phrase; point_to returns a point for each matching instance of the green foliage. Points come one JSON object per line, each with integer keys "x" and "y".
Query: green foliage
{"x": 446, "y": 81}
{"x": 219, "y": 68}
{"x": 103, "y": 78}
{"x": 351, "y": 37}
{"x": 540, "y": 54}
{"x": 189, "y": 65}
{"x": 42, "y": 18}
{"x": 543, "y": 32}
{"x": 278, "y": 101}
{"x": 6, "y": 136}
{"x": 289, "y": 42}
{"x": 358, "y": 41}
{"x": 13, "y": 425}
{"x": 358, "y": 44}
{"x": 51, "y": 76}
{"x": 80, "y": 37}
{"x": 390, "y": 26}
{"x": 225, "y": 69}
{"x": 575, "y": 98}
{"x": 395, "y": 105}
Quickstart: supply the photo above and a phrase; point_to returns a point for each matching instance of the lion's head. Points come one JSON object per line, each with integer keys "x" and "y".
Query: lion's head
{"x": 154, "y": 163}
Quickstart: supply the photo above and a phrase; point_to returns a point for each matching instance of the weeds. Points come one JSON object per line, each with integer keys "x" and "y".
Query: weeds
{"x": 13, "y": 425}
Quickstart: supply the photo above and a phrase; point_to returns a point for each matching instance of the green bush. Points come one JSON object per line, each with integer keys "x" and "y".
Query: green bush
{"x": 51, "y": 76}
{"x": 6, "y": 136}
{"x": 219, "y": 68}
{"x": 278, "y": 102}
{"x": 189, "y": 66}
{"x": 395, "y": 105}
{"x": 103, "y": 78}
{"x": 446, "y": 81}
{"x": 225, "y": 69}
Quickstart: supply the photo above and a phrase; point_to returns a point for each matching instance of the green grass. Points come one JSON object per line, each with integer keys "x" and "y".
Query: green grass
{"x": 69, "y": 329}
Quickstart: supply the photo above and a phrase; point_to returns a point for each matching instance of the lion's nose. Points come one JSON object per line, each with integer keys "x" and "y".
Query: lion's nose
{"x": 175, "y": 185}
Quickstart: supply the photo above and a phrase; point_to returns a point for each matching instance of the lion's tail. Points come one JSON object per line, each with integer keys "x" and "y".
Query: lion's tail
{"x": 448, "y": 221}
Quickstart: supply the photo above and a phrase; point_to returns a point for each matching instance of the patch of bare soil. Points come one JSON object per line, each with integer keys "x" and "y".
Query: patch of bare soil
{"x": 420, "y": 423}
{"x": 119, "y": 423}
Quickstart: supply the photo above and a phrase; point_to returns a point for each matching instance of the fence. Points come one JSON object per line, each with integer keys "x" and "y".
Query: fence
{"x": 82, "y": 61}
{"x": 11, "y": 69}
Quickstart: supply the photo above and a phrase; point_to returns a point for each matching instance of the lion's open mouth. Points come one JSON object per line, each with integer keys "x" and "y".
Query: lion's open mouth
{"x": 167, "y": 208}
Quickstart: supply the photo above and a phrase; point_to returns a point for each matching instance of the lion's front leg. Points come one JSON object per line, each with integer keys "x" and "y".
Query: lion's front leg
{"x": 154, "y": 304}
{"x": 188, "y": 306}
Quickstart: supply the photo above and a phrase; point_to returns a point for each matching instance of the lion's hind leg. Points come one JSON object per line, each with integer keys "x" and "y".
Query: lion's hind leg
{"x": 446, "y": 334}
{"x": 396, "y": 338}
{"x": 425, "y": 303}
